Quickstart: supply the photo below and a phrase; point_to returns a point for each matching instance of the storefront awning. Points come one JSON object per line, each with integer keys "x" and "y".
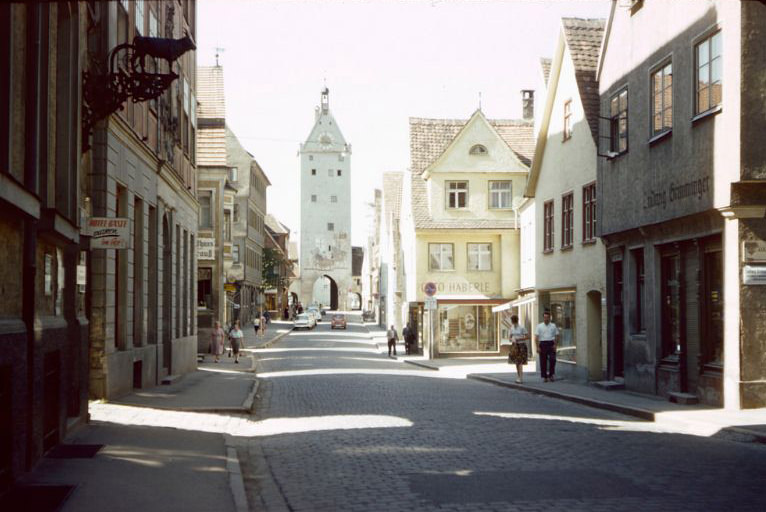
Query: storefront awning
{"x": 514, "y": 303}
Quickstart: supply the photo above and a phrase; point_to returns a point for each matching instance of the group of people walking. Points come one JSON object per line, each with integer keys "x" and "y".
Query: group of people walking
{"x": 235, "y": 336}
{"x": 546, "y": 334}
{"x": 410, "y": 339}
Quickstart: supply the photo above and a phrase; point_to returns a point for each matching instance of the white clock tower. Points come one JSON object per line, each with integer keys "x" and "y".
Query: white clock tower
{"x": 325, "y": 212}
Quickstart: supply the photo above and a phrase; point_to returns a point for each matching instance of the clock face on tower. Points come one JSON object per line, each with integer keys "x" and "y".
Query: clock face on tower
{"x": 325, "y": 139}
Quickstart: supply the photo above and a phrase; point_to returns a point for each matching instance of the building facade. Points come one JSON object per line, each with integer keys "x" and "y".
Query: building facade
{"x": 682, "y": 199}
{"x": 325, "y": 212}
{"x": 467, "y": 179}
{"x": 43, "y": 265}
{"x": 570, "y": 259}
{"x": 391, "y": 254}
{"x": 142, "y": 299}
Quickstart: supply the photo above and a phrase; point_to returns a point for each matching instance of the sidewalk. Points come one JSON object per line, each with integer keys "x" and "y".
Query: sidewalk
{"x": 745, "y": 425}
{"x": 167, "y": 443}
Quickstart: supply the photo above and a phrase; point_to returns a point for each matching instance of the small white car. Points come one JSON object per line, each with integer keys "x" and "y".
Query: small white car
{"x": 304, "y": 321}
{"x": 315, "y": 311}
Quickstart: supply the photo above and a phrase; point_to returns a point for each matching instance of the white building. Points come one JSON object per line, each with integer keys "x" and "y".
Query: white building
{"x": 325, "y": 219}
{"x": 391, "y": 254}
{"x": 569, "y": 271}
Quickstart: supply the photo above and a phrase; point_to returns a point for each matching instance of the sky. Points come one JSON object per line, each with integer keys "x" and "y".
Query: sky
{"x": 383, "y": 62}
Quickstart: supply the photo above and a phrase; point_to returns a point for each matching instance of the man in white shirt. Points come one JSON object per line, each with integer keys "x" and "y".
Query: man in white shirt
{"x": 546, "y": 333}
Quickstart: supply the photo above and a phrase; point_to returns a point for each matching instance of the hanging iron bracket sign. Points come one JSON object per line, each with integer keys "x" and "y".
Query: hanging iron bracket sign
{"x": 128, "y": 78}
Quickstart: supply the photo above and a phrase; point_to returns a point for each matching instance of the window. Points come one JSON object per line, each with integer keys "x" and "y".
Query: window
{"x": 589, "y": 213}
{"x": 457, "y": 194}
{"x": 227, "y": 225}
{"x": 709, "y": 78}
{"x": 339, "y": 172}
{"x": 236, "y": 213}
{"x": 330, "y": 226}
{"x": 567, "y": 220}
{"x": 235, "y": 253}
{"x": 441, "y": 257}
{"x": 567, "y": 119}
{"x": 562, "y": 306}
{"x": 638, "y": 260}
{"x": 662, "y": 99}
{"x": 618, "y": 122}
{"x": 311, "y": 157}
{"x": 205, "y": 209}
{"x": 479, "y": 256}
{"x": 139, "y": 17}
{"x": 500, "y": 194}
{"x": 333, "y": 199}
{"x": 330, "y": 173}
{"x": 153, "y": 27}
{"x": 233, "y": 174}
{"x": 123, "y": 21}
{"x": 313, "y": 198}
{"x": 478, "y": 149}
{"x": 313, "y": 172}
{"x": 548, "y": 226}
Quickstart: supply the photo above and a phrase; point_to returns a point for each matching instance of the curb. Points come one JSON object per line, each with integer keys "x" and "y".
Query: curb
{"x": 247, "y": 405}
{"x": 636, "y": 412}
{"x": 422, "y": 364}
{"x": 236, "y": 481}
{"x": 273, "y": 340}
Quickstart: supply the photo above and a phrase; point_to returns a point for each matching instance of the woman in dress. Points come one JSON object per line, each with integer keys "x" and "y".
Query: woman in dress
{"x": 235, "y": 339}
{"x": 518, "y": 352}
{"x": 217, "y": 338}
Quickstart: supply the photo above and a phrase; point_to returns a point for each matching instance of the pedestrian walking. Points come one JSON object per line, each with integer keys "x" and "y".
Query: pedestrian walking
{"x": 262, "y": 331}
{"x": 409, "y": 338}
{"x": 392, "y": 339}
{"x": 518, "y": 354}
{"x": 235, "y": 340}
{"x": 257, "y": 324}
{"x": 217, "y": 338}
{"x": 546, "y": 334}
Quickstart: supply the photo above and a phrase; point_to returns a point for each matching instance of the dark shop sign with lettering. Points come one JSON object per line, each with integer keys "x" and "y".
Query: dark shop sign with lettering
{"x": 696, "y": 189}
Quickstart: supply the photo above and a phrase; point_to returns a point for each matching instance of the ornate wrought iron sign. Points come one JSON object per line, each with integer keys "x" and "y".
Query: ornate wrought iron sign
{"x": 129, "y": 77}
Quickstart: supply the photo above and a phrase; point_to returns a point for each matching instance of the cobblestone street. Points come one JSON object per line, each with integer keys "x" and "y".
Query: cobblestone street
{"x": 361, "y": 431}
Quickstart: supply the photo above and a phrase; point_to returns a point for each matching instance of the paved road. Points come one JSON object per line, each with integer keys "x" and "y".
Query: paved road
{"x": 345, "y": 428}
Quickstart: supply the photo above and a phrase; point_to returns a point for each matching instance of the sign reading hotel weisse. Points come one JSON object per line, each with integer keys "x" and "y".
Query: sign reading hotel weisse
{"x": 109, "y": 232}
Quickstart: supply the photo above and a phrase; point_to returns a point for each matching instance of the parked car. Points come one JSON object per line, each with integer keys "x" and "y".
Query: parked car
{"x": 315, "y": 311}
{"x": 368, "y": 316}
{"x": 304, "y": 321}
{"x": 338, "y": 321}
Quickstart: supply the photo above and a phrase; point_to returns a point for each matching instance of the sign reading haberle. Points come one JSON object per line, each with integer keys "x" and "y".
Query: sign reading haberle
{"x": 109, "y": 232}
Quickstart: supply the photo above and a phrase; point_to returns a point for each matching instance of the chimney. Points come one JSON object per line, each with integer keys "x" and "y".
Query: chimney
{"x": 528, "y": 104}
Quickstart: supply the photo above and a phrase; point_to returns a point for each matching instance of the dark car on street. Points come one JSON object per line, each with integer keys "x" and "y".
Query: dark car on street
{"x": 338, "y": 321}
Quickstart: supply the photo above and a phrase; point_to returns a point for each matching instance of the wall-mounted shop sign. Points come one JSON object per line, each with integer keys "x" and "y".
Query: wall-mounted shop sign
{"x": 206, "y": 248}
{"x": 752, "y": 274}
{"x": 109, "y": 232}
{"x": 754, "y": 251}
{"x": 456, "y": 287}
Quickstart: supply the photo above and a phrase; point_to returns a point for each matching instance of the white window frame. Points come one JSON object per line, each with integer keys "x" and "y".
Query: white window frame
{"x": 481, "y": 254}
{"x": 497, "y": 194}
{"x": 707, "y": 40}
{"x": 139, "y": 16}
{"x": 442, "y": 255}
{"x": 456, "y": 192}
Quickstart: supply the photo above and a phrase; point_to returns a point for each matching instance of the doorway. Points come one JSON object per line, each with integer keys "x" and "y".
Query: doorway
{"x": 167, "y": 294}
{"x": 617, "y": 346}
{"x": 593, "y": 327}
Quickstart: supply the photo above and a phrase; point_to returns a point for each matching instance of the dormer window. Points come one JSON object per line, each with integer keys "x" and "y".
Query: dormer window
{"x": 478, "y": 149}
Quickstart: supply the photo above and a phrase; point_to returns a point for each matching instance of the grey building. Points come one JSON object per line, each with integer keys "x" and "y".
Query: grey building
{"x": 681, "y": 193}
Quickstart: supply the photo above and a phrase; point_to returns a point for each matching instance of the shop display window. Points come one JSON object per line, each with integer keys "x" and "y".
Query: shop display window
{"x": 466, "y": 328}
{"x": 562, "y": 306}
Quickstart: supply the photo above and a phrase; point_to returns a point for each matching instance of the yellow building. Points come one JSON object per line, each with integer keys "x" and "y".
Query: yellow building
{"x": 466, "y": 183}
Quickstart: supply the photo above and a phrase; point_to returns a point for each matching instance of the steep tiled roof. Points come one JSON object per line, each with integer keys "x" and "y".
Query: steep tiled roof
{"x": 430, "y": 137}
{"x": 545, "y": 65}
{"x": 392, "y": 195}
{"x": 274, "y": 225}
{"x": 211, "y": 147}
{"x": 583, "y": 37}
{"x": 428, "y": 140}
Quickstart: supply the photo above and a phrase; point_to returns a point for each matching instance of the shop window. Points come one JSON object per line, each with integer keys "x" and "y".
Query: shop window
{"x": 562, "y": 306}
{"x": 712, "y": 339}
{"x": 479, "y": 256}
{"x": 441, "y": 257}
{"x": 466, "y": 328}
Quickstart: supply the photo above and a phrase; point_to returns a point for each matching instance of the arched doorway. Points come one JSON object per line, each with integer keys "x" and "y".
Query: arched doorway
{"x": 354, "y": 301}
{"x": 325, "y": 292}
{"x": 596, "y": 354}
{"x": 167, "y": 294}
